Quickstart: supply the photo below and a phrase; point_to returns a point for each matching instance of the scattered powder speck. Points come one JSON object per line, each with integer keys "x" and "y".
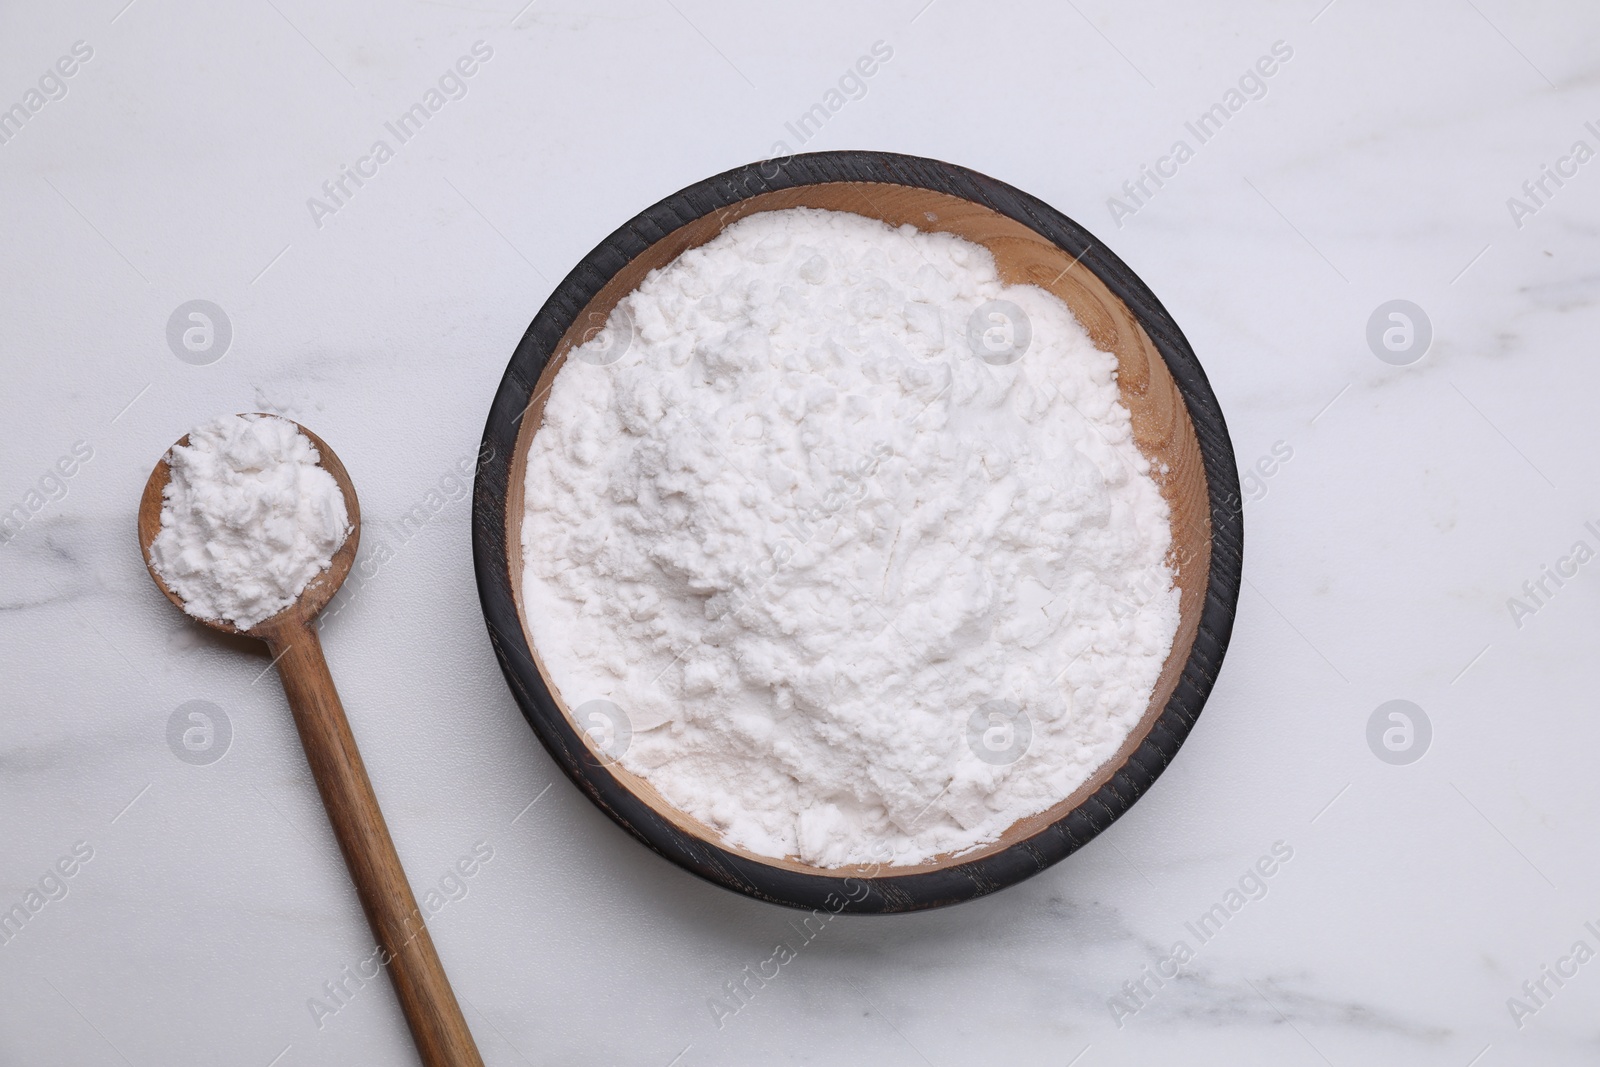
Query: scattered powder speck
{"x": 853, "y": 591}
{"x": 247, "y": 519}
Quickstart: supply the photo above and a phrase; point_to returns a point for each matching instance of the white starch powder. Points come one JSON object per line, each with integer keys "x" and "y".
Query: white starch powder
{"x": 833, "y": 584}
{"x": 247, "y": 519}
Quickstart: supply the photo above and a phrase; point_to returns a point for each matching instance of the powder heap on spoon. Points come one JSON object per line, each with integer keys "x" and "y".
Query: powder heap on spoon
{"x": 247, "y": 519}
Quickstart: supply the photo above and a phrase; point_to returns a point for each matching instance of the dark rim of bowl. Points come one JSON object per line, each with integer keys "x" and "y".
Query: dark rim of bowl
{"x": 893, "y": 892}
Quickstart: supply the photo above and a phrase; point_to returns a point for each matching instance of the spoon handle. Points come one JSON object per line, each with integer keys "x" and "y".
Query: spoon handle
{"x": 430, "y": 1006}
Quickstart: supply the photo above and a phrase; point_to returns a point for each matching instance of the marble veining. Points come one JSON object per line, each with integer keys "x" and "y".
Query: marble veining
{"x": 1427, "y": 887}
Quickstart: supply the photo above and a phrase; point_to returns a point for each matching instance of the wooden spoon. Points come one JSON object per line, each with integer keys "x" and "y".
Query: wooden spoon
{"x": 430, "y": 1006}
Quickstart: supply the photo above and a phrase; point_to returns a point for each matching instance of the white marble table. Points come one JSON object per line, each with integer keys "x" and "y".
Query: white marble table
{"x": 176, "y": 163}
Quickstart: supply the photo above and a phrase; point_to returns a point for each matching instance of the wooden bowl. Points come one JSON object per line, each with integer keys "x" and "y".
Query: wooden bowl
{"x": 1176, "y": 423}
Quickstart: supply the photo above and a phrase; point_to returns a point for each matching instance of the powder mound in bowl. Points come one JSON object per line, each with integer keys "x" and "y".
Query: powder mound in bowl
{"x": 838, "y": 587}
{"x": 248, "y": 518}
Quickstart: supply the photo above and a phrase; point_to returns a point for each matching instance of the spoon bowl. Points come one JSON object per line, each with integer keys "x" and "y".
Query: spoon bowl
{"x": 317, "y": 593}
